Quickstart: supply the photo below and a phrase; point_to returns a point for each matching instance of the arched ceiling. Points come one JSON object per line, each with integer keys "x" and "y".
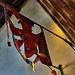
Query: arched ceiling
{"x": 63, "y": 14}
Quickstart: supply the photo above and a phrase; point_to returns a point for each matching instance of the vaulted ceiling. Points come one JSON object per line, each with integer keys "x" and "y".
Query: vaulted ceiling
{"x": 63, "y": 14}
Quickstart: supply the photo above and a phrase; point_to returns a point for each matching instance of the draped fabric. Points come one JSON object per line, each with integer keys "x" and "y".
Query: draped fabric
{"x": 43, "y": 50}
{"x": 31, "y": 41}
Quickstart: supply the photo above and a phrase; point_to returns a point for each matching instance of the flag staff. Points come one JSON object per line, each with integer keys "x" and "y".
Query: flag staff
{"x": 65, "y": 40}
{"x": 7, "y": 29}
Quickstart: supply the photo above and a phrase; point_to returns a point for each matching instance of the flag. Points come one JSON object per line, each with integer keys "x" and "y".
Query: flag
{"x": 30, "y": 40}
{"x": 43, "y": 54}
{"x": 17, "y": 44}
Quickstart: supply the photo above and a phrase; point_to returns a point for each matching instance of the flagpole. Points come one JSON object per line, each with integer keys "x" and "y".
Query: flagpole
{"x": 65, "y": 40}
{"x": 50, "y": 68}
{"x": 7, "y": 30}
